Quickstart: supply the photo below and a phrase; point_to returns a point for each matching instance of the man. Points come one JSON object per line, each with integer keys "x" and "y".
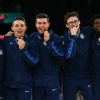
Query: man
{"x": 95, "y": 56}
{"x": 77, "y": 72}
{"x": 18, "y": 80}
{"x": 46, "y": 72}
{"x": 2, "y": 70}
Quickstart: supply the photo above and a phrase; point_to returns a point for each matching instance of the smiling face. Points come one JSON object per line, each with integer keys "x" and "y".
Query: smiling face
{"x": 42, "y": 24}
{"x": 96, "y": 25}
{"x": 19, "y": 27}
{"x": 73, "y": 22}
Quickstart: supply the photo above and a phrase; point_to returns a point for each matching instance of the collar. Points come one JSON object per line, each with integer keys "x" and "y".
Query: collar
{"x": 42, "y": 36}
{"x": 23, "y": 38}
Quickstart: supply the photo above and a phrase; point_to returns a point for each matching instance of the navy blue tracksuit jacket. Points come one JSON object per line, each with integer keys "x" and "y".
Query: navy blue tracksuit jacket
{"x": 2, "y": 65}
{"x": 18, "y": 71}
{"x": 95, "y": 59}
{"x": 46, "y": 72}
{"x": 76, "y": 49}
{"x": 95, "y": 64}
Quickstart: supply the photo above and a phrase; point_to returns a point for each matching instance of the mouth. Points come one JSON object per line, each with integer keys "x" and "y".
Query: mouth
{"x": 41, "y": 30}
{"x": 19, "y": 32}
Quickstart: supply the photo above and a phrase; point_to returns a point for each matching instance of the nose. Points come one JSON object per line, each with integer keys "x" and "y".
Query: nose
{"x": 42, "y": 25}
{"x": 99, "y": 24}
{"x": 19, "y": 27}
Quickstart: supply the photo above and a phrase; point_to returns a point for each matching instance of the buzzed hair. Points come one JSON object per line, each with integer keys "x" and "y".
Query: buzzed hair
{"x": 19, "y": 18}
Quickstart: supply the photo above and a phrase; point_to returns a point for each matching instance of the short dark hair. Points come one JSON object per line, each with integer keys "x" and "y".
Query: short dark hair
{"x": 70, "y": 14}
{"x": 93, "y": 18}
{"x": 41, "y": 15}
{"x": 19, "y": 18}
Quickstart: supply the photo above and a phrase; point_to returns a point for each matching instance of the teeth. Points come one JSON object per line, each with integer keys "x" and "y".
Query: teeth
{"x": 19, "y": 31}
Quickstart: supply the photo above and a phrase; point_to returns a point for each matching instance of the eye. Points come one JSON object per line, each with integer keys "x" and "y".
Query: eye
{"x": 96, "y": 23}
{"x": 22, "y": 25}
{"x": 75, "y": 21}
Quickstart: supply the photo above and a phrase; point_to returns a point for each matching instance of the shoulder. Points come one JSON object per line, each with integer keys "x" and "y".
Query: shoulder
{"x": 87, "y": 28}
{"x": 55, "y": 37}
{"x": 6, "y": 39}
{"x": 33, "y": 35}
{"x": 87, "y": 31}
{"x": 65, "y": 34}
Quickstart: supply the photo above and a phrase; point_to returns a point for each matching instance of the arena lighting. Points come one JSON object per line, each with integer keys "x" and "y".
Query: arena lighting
{"x": 7, "y": 18}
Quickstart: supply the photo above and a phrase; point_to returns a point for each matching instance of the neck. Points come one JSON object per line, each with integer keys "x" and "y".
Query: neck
{"x": 97, "y": 33}
{"x": 18, "y": 36}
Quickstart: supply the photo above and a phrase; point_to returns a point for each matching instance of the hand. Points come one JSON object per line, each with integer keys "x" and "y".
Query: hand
{"x": 21, "y": 43}
{"x": 73, "y": 30}
{"x": 46, "y": 36}
{"x": 9, "y": 33}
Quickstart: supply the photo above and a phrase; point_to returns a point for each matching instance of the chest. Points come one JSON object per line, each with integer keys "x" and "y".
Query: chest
{"x": 95, "y": 47}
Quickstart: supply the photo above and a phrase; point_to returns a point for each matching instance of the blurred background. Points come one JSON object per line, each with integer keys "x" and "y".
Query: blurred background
{"x": 56, "y": 9}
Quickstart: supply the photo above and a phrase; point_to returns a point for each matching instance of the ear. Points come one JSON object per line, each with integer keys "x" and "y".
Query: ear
{"x": 66, "y": 25}
{"x": 12, "y": 28}
{"x": 48, "y": 24}
{"x": 26, "y": 28}
{"x": 35, "y": 24}
{"x": 79, "y": 22}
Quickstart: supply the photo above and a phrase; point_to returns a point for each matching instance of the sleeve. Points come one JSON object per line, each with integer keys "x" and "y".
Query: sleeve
{"x": 2, "y": 53}
{"x": 69, "y": 46}
{"x": 2, "y": 63}
{"x": 30, "y": 53}
{"x": 4, "y": 39}
{"x": 54, "y": 45}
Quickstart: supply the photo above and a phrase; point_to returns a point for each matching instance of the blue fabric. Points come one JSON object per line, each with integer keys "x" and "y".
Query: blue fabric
{"x": 2, "y": 95}
{"x": 18, "y": 94}
{"x": 95, "y": 64}
{"x": 77, "y": 62}
{"x": 45, "y": 93}
{"x": 71, "y": 87}
{"x": 18, "y": 71}
{"x": 96, "y": 91}
{"x": 95, "y": 59}
{"x": 2, "y": 65}
{"x": 77, "y": 70}
{"x": 2, "y": 70}
{"x": 46, "y": 71}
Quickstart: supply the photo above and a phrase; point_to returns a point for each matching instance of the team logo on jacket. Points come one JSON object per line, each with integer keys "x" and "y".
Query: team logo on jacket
{"x": 99, "y": 39}
{"x": 1, "y": 52}
{"x": 82, "y": 36}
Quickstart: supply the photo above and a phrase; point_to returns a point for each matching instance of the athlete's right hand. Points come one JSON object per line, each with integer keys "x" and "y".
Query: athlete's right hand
{"x": 21, "y": 43}
{"x": 73, "y": 29}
